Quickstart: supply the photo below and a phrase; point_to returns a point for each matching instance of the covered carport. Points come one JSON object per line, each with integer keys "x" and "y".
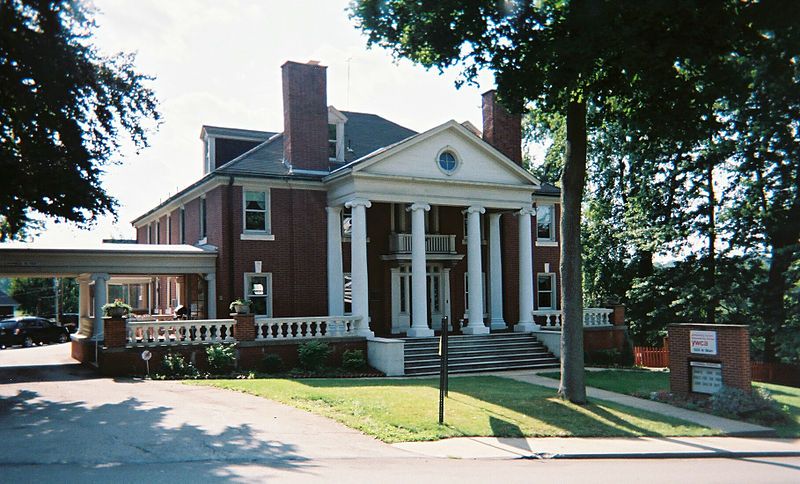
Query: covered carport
{"x": 99, "y": 265}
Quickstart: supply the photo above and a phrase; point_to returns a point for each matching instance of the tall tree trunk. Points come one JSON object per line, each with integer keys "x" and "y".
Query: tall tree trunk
{"x": 572, "y": 385}
{"x": 773, "y": 293}
{"x": 711, "y": 261}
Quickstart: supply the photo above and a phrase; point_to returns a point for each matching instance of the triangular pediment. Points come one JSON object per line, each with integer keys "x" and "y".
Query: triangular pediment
{"x": 418, "y": 157}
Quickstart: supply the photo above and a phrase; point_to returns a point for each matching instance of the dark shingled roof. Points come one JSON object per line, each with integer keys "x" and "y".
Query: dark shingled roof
{"x": 363, "y": 132}
{"x": 548, "y": 189}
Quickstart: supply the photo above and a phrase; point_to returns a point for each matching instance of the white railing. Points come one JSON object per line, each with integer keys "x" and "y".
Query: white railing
{"x": 434, "y": 244}
{"x": 305, "y": 327}
{"x": 197, "y": 331}
{"x": 592, "y": 317}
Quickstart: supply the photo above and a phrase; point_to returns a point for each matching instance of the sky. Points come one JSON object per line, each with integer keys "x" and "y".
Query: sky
{"x": 217, "y": 62}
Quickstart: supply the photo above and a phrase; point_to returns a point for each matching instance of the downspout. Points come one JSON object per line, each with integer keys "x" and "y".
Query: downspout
{"x": 229, "y": 243}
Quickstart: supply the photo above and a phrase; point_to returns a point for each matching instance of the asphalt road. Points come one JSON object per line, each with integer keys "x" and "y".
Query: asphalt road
{"x": 60, "y": 423}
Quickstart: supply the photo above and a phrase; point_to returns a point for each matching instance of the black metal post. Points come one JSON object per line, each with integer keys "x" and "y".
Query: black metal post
{"x": 443, "y": 380}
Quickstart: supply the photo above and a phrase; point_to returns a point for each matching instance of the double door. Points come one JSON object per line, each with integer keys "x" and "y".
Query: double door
{"x": 438, "y": 294}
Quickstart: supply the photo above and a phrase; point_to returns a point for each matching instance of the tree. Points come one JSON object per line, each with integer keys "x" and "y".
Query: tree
{"x": 63, "y": 113}
{"x": 634, "y": 58}
{"x": 37, "y": 296}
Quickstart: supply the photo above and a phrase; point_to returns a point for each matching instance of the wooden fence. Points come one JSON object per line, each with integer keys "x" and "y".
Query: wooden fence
{"x": 779, "y": 373}
{"x": 650, "y": 357}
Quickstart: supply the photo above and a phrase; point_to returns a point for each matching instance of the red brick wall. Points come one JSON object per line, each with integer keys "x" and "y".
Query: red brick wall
{"x": 502, "y": 129}
{"x": 733, "y": 352}
{"x": 305, "y": 115}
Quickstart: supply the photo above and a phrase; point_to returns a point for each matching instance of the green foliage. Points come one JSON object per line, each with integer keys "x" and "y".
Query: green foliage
{"x": 174, "y": 365}
{"x": 37, "y": 297}
{"x": 63, "y": 112}
{"x": 757, "y": 405}
{"x": 271, "y": 363}
{"x": 117, "y": 304}
{"x": 221, "y": 358}
{"x": 313, "y": 355}
{"x": 354, "y": 360}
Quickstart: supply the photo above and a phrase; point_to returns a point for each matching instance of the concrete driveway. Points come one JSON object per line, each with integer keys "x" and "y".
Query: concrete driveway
{"x": 61, "y": 423}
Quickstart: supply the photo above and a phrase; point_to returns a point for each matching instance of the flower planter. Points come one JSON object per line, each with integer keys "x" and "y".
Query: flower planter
{"x": 116, "y": 312}
{"x": 241, "y": 308}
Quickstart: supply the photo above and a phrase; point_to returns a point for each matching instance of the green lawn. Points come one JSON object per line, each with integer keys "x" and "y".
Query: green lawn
{"x": 641, "y": 382}
{"x": 407, "y": 410}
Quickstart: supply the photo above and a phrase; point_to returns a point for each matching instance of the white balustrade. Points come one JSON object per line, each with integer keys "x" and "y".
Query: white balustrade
{"x": 592, "y": 317}
{"x": 434, "y": 243}
{"x": 305, "y": 327}
{"x": 197, "y": 331}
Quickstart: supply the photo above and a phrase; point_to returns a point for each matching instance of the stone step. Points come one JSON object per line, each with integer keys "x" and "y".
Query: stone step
{"x": 477, "y": 359}
{"x": 487, "y": 366}
{"x": 521, "y": 345}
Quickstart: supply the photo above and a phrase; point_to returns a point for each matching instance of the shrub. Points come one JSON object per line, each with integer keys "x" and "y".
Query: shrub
{"x": 271, "y": 363}
{"x": 175, "y": 366}
{"x": 313, "y": 355}
{"x": 353, "y": 360}
{"x": 221, "y": 358}
{"x": 757, "y": 405}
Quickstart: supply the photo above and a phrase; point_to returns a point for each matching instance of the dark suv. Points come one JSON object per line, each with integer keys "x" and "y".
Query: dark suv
{"x": 27, "y": 331}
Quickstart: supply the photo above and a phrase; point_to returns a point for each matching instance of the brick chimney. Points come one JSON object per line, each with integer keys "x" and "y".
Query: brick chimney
{"x": 502, "y": 129}
{"x": 305, "y": 115}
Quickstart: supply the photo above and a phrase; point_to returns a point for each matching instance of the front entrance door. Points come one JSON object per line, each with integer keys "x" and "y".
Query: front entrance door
{"x": 438, "y": 291}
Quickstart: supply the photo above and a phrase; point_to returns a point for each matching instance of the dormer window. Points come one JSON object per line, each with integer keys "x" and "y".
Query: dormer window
{"x": 336, "y": 122}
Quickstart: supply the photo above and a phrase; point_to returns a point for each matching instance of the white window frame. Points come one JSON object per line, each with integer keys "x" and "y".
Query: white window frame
{"x": 466, "y": 295}
{"x": 482, "y": 229}
{"x": 150, "y": 233}
{"x": 553, "y": 291}
{"x": 169, "y": 229}
{"x": 552, "y": 240}
{"x": 456, "y": 156}
{"x": 268, "y": 290}
{"x": 203, "y": 221}
{"x": 265, "y": 234}
{"x": 182, "y": 225}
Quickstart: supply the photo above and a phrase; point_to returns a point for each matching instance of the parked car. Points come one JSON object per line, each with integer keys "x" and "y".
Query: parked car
{"x": 28, "y": 330}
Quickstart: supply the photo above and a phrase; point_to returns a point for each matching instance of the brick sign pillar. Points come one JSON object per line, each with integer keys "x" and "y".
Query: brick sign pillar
{"x": 705, "y": 357}
{"x": 115, "y": 332}
{"x": 245, "y": 329}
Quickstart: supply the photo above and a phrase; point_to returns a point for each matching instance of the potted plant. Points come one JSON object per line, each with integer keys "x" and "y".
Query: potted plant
{"x": 117, "y": 309}
{"x": 241, "y": 306}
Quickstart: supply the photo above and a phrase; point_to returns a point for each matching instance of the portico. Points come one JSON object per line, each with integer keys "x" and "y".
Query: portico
{"x": 440, "y": 191}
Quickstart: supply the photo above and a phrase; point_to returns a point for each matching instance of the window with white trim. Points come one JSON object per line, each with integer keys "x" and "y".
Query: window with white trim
{"x": 347, "y": 222}
{"x": 466, "y": 294}
{"x": 182, "y": 222}
{"x": 150, "y": 233}
{"x": 546, "y": 290}
{"x": 545, "y": 223}
{"x": 202, "y": 218}
{"x": 256, "y": 211}
{"x": 258, "y": 290}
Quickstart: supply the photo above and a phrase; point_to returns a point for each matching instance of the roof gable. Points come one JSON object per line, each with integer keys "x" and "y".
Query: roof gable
{"x": 417, "y": 157}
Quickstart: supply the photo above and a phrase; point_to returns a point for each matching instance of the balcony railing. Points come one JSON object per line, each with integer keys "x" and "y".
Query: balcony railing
{"x": 434, "y": 244}
{"x": 305, "y": 327}
{"x": 171, "y": 333}
{"x": 592, "y": 318}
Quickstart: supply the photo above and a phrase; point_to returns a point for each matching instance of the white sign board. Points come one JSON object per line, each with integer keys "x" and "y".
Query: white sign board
{"x": 703, "y": 342}
{"x": 706, "y": 377}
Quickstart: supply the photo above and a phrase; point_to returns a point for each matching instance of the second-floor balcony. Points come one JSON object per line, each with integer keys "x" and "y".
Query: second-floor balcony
{"x": 434, "y": 244}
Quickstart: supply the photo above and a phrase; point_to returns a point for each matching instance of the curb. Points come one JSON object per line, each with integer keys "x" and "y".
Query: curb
{"x": 664, "y": 455}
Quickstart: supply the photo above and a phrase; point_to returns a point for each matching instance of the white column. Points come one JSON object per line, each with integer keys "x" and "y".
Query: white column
{"x": 84, "y": 302}
{"x": 335, "y": 271}
{"x": 475, "y": 317}
{"x": 100, "y": 300}
{"x": 358, "y": 246}
{"x": 211, "y": 295}
{"x": 495, "y": 273}
{"x": 525, "y": 323}
{"x": 419, "y": 274}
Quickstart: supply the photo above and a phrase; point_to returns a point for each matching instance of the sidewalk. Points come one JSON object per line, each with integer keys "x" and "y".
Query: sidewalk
{"x": 603, "y": 448}
{"x": 727, "y": 426}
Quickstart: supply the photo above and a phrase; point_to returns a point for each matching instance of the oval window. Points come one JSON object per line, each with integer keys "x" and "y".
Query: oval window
{"x": 447, "y": 161}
